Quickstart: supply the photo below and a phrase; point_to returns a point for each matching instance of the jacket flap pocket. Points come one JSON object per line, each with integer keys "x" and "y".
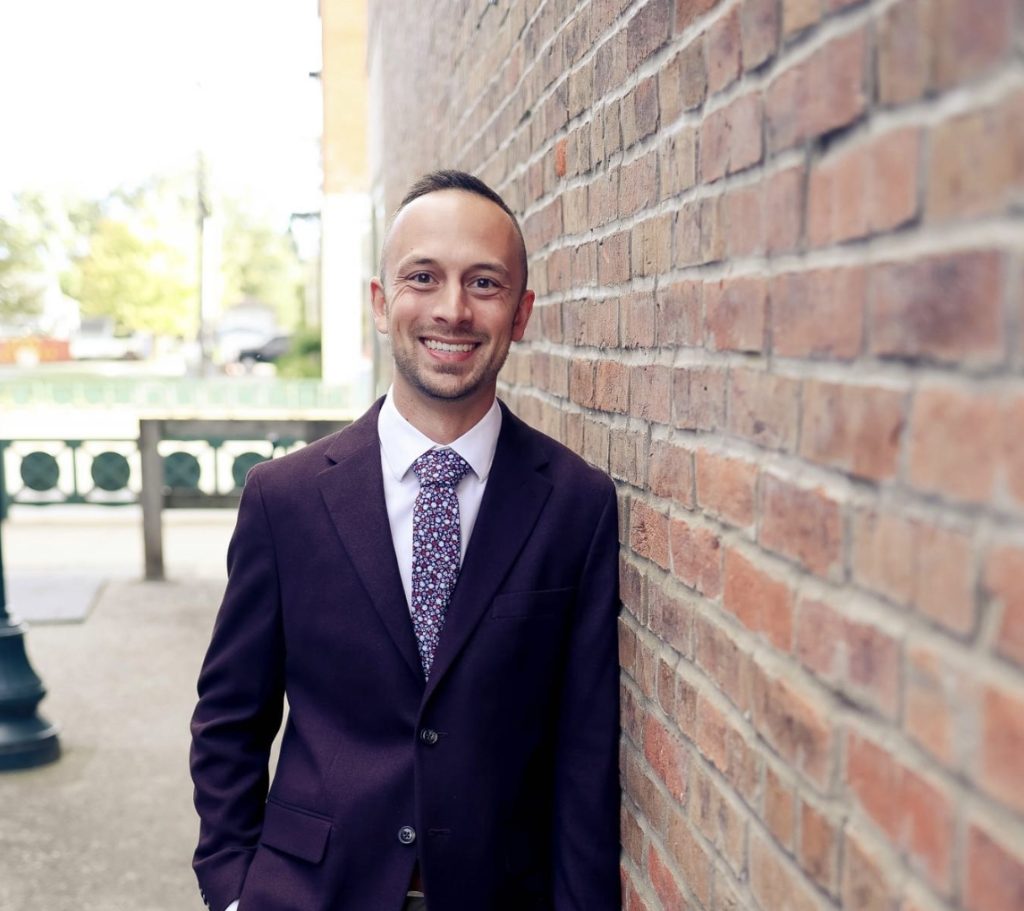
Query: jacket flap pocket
{"x": 296, "y": 833}
{"x": 530, "y": 604}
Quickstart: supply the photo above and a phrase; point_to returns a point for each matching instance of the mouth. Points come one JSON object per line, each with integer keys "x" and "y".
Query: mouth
{"x": 449, "y": 347}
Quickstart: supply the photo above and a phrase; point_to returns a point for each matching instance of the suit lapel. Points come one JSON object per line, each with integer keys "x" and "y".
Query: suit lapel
{"x": 512, "y": 502}
{"x": 353, "y": 491}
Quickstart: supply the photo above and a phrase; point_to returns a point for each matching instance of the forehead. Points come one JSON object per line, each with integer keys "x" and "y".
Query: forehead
{"x": 452, "y": 224}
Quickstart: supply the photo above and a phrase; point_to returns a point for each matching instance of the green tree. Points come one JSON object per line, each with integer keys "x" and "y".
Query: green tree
{"x": 260, "y": 263}
{"x": 138, "y": 281}
{"x": 20, "y": 297}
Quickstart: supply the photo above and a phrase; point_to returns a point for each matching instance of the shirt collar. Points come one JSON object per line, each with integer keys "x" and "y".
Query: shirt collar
{"x": 402, "y": 444}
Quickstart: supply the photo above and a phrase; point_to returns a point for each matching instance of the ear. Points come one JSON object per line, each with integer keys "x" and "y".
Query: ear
{"x": 522, "y": 315}
{"x": 379, "y": 305}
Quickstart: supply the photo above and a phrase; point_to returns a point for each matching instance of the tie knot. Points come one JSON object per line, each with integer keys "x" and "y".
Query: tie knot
{"x": 440, "y": 467}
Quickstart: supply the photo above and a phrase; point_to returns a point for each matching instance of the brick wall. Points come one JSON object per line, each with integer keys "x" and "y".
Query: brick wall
{"x": 779, "y": 258}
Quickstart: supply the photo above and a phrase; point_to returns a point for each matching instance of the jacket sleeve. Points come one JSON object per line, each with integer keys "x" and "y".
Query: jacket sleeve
{"x": 241, "y": 691}
{"x": 586, "y": 811}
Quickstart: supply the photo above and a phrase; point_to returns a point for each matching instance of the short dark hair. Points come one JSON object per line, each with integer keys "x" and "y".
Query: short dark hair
{"x": 448, "y": 179}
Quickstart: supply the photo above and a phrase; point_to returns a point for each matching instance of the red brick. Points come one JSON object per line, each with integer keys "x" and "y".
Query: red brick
{"x": 627, "y": 457}
{"x": 966, "y": 44}
{"x": 735, "y": 313}
{"x": 650, "y": 393}
{"x": 798, "y": 15}
{"x": 999, "y": 769}
{"x": 638, "y": 184}
{"x": 718, "y": 655}
{"x": 725, "y": 487}
{"x": 611, "y": 386}
{"x": 723, "y": 51}
{"x": 687, "y": 235}
{"x": 1004, "y": 583}
{"x": 596, "y": 443}
{"x": 632, "y": 587}
{"x": 855, "y": 428}
{"x": 859, "y": 657}
{"x": 730, "y": 139}
{"x": 592, "y": 322}
{"x": 632, "y": 835}
{"x": 712, "y": 230}
{"x": 637, "y": 314}
{"x": 867, "y": 189}
{"x": 647, "y": 31}
{"x": 648, "y": 533}
{"x": 784, "y": 203}
{"x": 944, "y": 588}
{"x": 933, "y": 702}
{"x": 944, "y": 308}
{"x": 704, "y": 399}
{"x": 696, "y": 557}
{"x": 995, "y": 873}
{"x": 818, "y": 847}
{"x": 801, "y": 524}
{"x": 640, "y": 113}
{"x": 671, "y": 619}
{"x": 819, "y": 94}
{"x": 976, "y": 161}
{"x": 679, "y": 314}
{"x": 954, "y": 443}
{"x": 651, "y": 245}
{"x": 664, "y": 881}
{"x": 865, "y": 886}
{"x": 678, "y": 167}
{"x": 613, "y": 259}
{"x": 719, "y": 819}
{"x": 544, "y": 226}
{"x": 819, "y": 313}
{"x": 745, "y": 217}
{"x": 763, "y": 408}
{"x": 671, "y": 472}
{"x": 581, "y": 383}
{"x": 687, "y": 11}
{"x": 905, "y": 51}
{"x": 682, "y": 82}
{"x": 884, "y": 554}
{"x": 576, "y": 210}
{"x": 726, "y": 748}
{"x": 693, "y": 862}
{"x": 779, "y": 808}
{"x": 759, "y": 29}
{"x": 760, "y": 602}
{"x": 774, "y": 882}
{"x": 915, "y": 814}
{"x": 584, "y": 265}
{"x": 1012, "y": 450}
{"x": 668, "y": 758}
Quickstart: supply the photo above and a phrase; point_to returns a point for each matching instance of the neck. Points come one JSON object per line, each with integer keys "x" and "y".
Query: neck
{"x": 441, "y": 420}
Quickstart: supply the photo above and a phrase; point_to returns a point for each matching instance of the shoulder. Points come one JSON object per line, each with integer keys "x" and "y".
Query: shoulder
{"x": 568, "y": 471}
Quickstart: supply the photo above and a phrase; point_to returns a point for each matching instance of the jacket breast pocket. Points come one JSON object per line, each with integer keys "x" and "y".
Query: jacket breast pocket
{"x": 551, "y": 602}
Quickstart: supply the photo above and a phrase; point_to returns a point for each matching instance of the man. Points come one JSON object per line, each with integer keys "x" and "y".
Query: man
{"x": 434, "y": 590}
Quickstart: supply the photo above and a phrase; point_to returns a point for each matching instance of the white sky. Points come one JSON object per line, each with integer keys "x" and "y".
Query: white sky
{"x": 99, "y": 93}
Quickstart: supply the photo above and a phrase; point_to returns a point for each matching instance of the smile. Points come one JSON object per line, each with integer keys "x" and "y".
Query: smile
{"x": 448, "y": 346}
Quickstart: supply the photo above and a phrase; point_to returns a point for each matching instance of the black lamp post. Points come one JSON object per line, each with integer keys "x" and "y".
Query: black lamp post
{"x": 25, "y": 739}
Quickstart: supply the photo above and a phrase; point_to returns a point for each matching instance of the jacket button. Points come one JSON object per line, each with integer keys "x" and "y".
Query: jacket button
{"x": 407, "y": 835}
{"x": 429, "y": 736}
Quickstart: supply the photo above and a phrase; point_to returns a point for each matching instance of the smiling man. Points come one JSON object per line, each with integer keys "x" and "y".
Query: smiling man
{"x": 434, "y": 591}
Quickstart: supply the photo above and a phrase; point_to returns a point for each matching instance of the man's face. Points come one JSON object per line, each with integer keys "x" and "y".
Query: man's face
{"x": 451, "y": 296}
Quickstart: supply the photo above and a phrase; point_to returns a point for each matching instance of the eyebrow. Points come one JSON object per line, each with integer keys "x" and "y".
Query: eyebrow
{"x": 428, "y": 261}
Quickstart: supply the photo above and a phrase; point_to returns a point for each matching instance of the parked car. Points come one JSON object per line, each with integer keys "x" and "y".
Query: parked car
{"x": 268, "y": 352}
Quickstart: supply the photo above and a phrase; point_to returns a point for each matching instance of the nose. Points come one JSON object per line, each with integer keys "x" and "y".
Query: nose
{"x": 453, "y": 305}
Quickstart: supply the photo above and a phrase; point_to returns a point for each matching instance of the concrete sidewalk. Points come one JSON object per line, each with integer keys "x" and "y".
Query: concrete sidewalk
{"x": 110, "y": 826}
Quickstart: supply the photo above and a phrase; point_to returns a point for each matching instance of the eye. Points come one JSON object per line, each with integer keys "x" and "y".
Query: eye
{"x": 485, "y": 284}
{"x": 421, "y": 278}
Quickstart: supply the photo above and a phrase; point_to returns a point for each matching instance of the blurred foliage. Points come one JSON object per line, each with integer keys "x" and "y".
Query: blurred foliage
{"x": 22, "y": 246}
{"x": 303, "y": 359}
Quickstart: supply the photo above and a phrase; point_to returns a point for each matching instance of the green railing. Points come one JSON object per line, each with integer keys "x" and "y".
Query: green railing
{"x": 176, "y": 394}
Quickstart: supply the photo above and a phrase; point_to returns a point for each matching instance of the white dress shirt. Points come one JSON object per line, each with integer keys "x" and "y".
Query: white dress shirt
{"x": 401, "y": 444}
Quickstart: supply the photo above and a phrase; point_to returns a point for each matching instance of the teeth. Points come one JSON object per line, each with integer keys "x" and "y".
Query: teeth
{"x": 444, "y": 346}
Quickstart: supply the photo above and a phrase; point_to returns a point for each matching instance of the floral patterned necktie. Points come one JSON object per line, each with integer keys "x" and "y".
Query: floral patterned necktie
{"x": 436, "y": 545}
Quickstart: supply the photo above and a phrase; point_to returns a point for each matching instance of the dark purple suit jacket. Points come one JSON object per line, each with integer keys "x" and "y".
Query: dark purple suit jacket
{"x": 514, "y": 804}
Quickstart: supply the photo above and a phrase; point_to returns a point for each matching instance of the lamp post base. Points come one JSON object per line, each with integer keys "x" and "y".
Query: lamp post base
{"x": 26, "y": 740}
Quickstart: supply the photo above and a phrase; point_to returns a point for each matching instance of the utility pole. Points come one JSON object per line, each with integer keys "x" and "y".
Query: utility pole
{"x": 26, "y": 740}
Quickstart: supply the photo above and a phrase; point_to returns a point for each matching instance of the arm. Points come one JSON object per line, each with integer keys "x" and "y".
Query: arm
{"x": 241, "y": 688}
{"x": 586, "y": 812}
